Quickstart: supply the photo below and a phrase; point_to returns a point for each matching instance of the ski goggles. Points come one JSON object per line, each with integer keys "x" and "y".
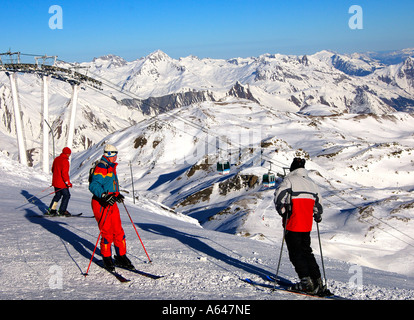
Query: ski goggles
{"x": 111, "y": 153}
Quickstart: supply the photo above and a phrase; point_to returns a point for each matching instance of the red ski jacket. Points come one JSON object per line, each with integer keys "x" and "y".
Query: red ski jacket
{"x": 60, "y": 170}
{"x": 298, "y": 197}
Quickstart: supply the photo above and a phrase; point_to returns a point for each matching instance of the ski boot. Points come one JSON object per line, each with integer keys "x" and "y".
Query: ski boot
{"x": 108, "y": 264}
{"x": 64, "y": 213}
{"x": 123, "y": 262}
{"x": 51, "y": 212}
{"x": 321, "y": 289}
{"x": 305, "y": 285}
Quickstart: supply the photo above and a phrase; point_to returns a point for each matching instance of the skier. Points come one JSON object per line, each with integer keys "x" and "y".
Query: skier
{"x": 105, "y": 189}
{"x": 298, "y": 200}
{"x": 61, "y": 182}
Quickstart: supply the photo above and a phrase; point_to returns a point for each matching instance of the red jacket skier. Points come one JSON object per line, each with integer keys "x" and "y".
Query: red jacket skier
{"x": 105, "y": 188}
{"x": 61, "y": 182}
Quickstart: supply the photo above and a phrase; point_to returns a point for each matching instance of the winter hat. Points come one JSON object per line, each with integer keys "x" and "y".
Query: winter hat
{"x": 110, "y": 151}
{"x": 66, "y": 150}
{"x": 297, "y": 163}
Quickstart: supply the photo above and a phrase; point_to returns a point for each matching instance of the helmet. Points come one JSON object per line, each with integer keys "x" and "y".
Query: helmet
{"x": 110, "y": 151}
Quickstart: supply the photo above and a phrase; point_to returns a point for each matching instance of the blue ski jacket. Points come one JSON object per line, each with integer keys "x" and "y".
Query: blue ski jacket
{"x": 104, "y": 179}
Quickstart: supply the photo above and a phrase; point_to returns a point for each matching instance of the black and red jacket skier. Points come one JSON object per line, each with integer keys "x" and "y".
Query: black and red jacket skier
{"x": 298, "y": 201}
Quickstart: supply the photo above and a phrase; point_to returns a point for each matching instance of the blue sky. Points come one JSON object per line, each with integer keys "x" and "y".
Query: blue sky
{"x": 214, "y": 28}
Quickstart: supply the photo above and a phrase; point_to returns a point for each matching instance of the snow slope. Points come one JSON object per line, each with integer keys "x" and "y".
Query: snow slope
{"x": 197, "y": 263}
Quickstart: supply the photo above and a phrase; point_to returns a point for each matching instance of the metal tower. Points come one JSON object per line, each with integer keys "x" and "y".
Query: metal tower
{"x": 46, "y": 67}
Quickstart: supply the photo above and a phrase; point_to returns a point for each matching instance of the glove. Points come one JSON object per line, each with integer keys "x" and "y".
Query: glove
{"x": 120, "y": 198}
{"x": 68, "y": 184}
{"x": 317, "y": 217}
{"x": 284, "y": 210}
{"x": 109, "y": 198}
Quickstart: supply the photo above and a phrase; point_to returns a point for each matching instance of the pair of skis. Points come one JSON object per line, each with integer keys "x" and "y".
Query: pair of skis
{"x": 76, "y": 215}
{"x": 121, "y": 278}
{"x": 285, "y": 285}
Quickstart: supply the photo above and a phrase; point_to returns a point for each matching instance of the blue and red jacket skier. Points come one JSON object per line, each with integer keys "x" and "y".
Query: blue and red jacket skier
{"x": 104, "y": 186}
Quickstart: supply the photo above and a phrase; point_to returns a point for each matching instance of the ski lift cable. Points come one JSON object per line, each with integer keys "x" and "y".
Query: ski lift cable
{"x": 133, "y": 96}
{"x": 266, "y": 158}
{"x": 371, "y": 215}
{"x": 130, "y": 94}
{"x": 189, "y": 122}
{"x": 195, "y": 125}
{"x": 381, "y": 221}
{"x": 360, "y": 207}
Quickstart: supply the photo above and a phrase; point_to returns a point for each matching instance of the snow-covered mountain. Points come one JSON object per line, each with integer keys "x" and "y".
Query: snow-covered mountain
{"x": 172, "y": 120}
{"x": 390, "y": 57}
{"x": 278, "y": 81}
{"x": 323, "y": 83}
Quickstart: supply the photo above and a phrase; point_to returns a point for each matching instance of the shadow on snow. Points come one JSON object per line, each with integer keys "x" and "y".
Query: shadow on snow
{"x": 57, "y": 227}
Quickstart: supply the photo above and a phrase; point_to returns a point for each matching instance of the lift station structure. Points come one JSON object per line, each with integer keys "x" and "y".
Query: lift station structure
{"x": 47, "y": 68}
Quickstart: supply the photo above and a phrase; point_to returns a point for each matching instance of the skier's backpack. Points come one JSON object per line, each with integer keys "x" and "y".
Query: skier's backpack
{"x": 92, "y": 169}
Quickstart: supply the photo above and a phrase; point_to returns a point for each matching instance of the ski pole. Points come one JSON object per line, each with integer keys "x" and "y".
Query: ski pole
{"x": 37, "y": 194}
{"x": 280, "y": 255}
{"x": 32, "y": 202}
{"x": 51, "y": 193}
{"x": 320, "y": 249}
{"x": 93, "y": 253}
{"x": 97, "y": 241}
{"x": 136, "y": 231}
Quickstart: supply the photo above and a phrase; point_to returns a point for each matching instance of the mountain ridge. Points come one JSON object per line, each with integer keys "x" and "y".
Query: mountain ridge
{"x": 304, "y": 80}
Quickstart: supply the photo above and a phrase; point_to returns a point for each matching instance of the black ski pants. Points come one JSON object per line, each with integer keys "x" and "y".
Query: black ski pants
{"x": 300, "y": 254}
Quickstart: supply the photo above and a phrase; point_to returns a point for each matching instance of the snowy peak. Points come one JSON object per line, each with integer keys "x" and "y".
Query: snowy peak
{"x": 405, "y": 75}
{"x": 154, "y": 75}
{"x": 325, "y": 78}
{"x": 400, "y": 76}
{"x": 324, "y": 83}
{"x": 354, "y": 65}
{"x": 240, "y": 91}
{"x": 109, "y": 61}
{"x": 157, "y": 56}
{"x": 407, "y": 71}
